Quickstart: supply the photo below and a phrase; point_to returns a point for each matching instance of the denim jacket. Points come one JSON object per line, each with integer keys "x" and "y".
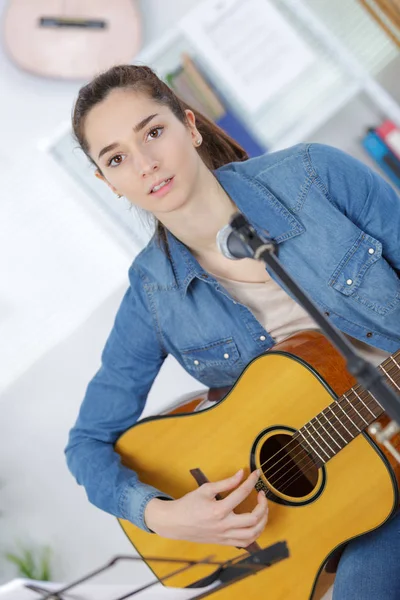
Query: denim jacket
{"x": 337, "y": 228}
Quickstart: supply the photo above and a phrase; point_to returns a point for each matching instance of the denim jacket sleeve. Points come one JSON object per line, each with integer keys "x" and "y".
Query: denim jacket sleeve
{"x": 113, "y": 402}
{"x": 361, "y": 194}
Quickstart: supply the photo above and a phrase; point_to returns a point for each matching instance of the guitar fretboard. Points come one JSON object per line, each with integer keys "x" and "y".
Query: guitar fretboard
{"x": 343, "y": 420}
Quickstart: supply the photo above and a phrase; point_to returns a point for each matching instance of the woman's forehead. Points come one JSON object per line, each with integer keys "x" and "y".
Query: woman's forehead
{"x": 120, "y": 104}
{"x": 119, "y": 112}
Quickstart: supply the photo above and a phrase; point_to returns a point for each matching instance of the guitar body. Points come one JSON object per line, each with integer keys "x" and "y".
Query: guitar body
{"x": 71, "y": 51}
{"x": 280, "y": 391}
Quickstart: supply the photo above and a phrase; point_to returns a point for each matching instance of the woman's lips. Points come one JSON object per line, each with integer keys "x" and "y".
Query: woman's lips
{"x": 164, "y": 189}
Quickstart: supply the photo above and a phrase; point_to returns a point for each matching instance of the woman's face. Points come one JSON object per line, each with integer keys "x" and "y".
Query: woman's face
{"x": 137, "y": 144}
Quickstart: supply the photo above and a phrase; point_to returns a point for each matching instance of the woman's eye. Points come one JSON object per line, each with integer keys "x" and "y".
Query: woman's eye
{"x": 118, "y": 160}
{"x": 156, "y": 130}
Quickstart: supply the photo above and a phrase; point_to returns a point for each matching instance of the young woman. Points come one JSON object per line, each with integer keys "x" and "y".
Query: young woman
{"x": 337, "y": 224}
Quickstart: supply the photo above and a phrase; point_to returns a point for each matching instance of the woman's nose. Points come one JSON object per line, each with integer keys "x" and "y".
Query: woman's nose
{"x": 147, "y": 165}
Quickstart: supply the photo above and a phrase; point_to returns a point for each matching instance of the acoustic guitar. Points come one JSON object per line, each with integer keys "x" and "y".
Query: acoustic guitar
{"x": 328, "y": 457}
{"x": 71, "y": 38}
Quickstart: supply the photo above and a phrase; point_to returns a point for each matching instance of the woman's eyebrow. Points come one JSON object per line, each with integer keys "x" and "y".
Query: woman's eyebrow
{"x": 144, "y": 122}
{"x": 136, "y": 129}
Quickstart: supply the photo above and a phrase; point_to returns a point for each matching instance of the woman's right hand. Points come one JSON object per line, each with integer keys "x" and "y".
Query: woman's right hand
{"x": 200, "y": 517}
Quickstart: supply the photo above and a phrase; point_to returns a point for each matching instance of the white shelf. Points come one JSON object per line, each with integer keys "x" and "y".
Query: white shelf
{"x": 333, "y": 101}
{"x": 317, "y": 95}
{"x": 305, "y": 130}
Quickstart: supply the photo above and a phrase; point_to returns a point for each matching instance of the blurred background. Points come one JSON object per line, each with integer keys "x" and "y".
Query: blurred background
{"x": 272, "y": 73}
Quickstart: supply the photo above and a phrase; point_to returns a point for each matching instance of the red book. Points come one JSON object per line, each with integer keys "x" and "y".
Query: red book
{"x": 390, "y": 134}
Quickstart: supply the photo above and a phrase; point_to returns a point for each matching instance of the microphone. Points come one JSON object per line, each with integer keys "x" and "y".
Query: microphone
{"x": 230, "y": 244}
{"x": 239, "y": 239}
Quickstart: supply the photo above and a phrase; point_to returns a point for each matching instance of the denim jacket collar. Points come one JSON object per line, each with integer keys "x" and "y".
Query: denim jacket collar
{"x": 252, "y": 199}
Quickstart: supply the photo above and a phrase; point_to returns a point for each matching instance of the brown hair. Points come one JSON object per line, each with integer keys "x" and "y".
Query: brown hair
{"x": 217, "y": 148}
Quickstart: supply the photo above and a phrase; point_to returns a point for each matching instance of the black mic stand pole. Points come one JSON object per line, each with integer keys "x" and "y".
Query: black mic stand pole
{"x": 253, "y": 246}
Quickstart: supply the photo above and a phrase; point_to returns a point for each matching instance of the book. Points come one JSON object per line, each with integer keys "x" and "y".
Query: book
{"x": 390, "y": 134}
{"x": 201, "y": 85}
{"x": 191, "y": 84}
{"x": 178, "y": 81}
{"x": 382, "y": 155}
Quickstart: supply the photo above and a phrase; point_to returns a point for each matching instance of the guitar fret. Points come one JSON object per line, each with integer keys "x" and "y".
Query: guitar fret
{"x": 362, "y": 401}
{"x": 309, "y": 445}
{"x": 313, "y": 440}
{"x": 391, "y": 378}
{"x": 327, "y": 433}
{"x": 346, "y": 415}
{"x": 378, "y": 406}
{"x": 394, "y": 360}
{"x": 317, "y": 432}
{"x": 376, "y": 402}
{"x": 332, "y": 438}
{"x": 340, "y": 423}
{"x": 354, "y": 408}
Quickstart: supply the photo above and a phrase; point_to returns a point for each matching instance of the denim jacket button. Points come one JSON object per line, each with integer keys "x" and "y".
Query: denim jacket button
{"x": 226, "y": 355}
{"x": 371, "y": 250}
{"x": 196, "y": 362}
{"x": 262, "y": 338}
{"x": 349, "y": 281}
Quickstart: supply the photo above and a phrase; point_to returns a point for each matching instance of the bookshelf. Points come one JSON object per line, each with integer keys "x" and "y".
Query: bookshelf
{"x": 333, "y": 101}
{"x": 336, "y": 78}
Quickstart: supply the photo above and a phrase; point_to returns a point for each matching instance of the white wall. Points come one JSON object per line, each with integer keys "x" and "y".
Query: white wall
{"x": 39, "y": 500}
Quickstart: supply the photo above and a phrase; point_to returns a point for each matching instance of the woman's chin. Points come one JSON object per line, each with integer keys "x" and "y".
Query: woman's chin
{"x": 171, "y": 203}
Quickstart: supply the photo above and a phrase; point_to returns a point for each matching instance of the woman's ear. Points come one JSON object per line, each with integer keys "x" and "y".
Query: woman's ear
{"x": 190, "y": 117}
{"x": 102, "y": 178}
{"x": 191, "y": 121}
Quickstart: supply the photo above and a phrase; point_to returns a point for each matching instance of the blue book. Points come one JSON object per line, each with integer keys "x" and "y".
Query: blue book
{"x": 235, "y": 128}
{"x": 232, "y": 124}
{"x": 382, "y": 155}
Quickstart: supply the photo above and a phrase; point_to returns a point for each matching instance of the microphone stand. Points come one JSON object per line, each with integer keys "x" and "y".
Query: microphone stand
{"x": 246, "y": 243}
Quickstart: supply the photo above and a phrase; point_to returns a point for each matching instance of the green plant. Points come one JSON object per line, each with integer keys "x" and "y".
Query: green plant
{"x": 33, "y": 565}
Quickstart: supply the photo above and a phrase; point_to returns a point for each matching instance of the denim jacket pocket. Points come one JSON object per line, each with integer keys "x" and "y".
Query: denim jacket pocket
{"x": 218, "y": 363}
{"x": 364, "y": 275}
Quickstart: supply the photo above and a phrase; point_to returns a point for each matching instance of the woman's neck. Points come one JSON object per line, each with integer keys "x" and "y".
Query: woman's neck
{"x": 197, "y": 223}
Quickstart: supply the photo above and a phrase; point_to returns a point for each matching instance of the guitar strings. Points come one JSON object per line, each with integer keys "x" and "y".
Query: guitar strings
{"x": 295, "y": 438}
{"x": 303, "y": 470}
{"x": 299, "y": 466}
{"x": 294, "y": 478}
{"x": 317, "y": 430}
{"x": 334, "y": 404}
{"x": 356, "y": 388}
{"x": 302, "y": 467}
{"x": 364, "y": 402}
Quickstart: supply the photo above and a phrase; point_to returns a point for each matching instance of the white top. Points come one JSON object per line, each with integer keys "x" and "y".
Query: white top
{"x": 281, "y": 316}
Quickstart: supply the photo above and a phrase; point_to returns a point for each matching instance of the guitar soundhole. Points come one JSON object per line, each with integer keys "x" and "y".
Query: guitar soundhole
{"x": 288, "y": 468}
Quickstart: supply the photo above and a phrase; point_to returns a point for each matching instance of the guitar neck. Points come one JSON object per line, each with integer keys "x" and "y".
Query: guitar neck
{"x": 343, "y": 420}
